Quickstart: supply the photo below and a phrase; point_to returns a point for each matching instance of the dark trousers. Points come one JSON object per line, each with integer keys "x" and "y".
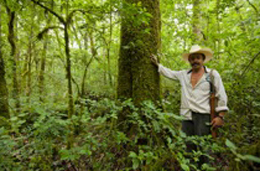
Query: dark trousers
{"x": 197, "y": 126}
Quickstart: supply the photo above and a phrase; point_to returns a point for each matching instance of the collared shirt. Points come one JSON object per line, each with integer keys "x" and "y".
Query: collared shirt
{"x": 197, "y": 99}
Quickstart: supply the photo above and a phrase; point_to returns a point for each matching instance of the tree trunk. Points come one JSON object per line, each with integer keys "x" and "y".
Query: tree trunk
{"x": 42, "y": 69}
{"x": 43, "y": 59}
{"x": 86, "y": 67}
{"x": 197, "y": 34}
{"x": 104, "y": 66}
{"x": 29, "y": 68}
{"x": 11, "y": 38}
{"x": 4, "y": 109}
{"x": 109, "y": 45}
{"x": 68, "y": 69}
{"x": 218, "y": 28}
{"x": 138, "y": 78}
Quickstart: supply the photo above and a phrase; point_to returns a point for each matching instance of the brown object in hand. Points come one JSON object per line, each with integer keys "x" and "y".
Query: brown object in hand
{"x": 212, "y": 103}
{"x": 212, "y": 113}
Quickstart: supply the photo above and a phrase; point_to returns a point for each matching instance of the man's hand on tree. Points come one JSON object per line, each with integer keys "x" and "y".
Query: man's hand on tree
{"x": 154, "y": 60}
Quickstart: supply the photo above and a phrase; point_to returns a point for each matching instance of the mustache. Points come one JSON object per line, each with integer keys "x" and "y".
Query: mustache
{"x": 195, "y": 63}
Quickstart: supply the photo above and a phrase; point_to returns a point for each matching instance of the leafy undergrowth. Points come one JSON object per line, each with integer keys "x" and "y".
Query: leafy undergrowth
{"x": 148, "y": 138}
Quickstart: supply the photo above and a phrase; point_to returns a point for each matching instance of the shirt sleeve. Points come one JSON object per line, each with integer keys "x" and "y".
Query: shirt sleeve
{"x": 220, "y": 93}
{"x": 175, "y": 75}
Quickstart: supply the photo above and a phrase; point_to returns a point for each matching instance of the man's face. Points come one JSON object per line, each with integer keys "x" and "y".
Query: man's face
{"x": 196, "y": 60}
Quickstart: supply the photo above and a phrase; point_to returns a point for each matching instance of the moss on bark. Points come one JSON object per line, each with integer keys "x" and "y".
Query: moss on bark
{"x": 197, "y": 36}
{"x": 138, "y": 78}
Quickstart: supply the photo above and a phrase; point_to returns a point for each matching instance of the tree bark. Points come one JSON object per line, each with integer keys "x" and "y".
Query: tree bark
{"x": 218, "y": 28}
{"x": 4, "y": 109}
{"x": 138, "y": 78}
{"x": 29, "y": 68}
{"x": 43, "y": 59}
{"x": 68, "y": 69}
{"x": 11, "y": 38}
{"x": 42, "y": 70}
{"x": 109, "y": 45}
{"x": 197, "y": 34}
{"x": 86, "y": 66}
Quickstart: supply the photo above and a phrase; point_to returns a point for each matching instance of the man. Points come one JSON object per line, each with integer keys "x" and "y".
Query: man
{"x": 195, "y": 82}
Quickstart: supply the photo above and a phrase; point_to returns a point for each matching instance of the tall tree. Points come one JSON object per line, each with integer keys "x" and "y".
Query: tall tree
{"x": 65, "y": 21}
{"x": 43, "y": 58}
{"x": 4, "y": 110}
{"x": 29, "y": 56}
{"x": 140, "y": 37}
{"x": 11, "y": 39}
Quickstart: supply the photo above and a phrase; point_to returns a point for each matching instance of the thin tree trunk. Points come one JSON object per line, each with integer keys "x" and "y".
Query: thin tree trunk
{"x": 42, "y": 69}
{"x": 87, "y": 63}
{"x": 31, "y": 46}
{"x": 83, "y": 86}
{"x": 218, "y": 27}
{"x": 29, "y": 68}
{"x": 109, "y": 45}
{"x": 104, "y": 52}
{"x": 68, "y": 69}
{"x": 65, "y": 23}
{"x": 86, "y": 68}
{"x": 196, "y": 22}
{"x": 105, "y": 68}
{"x": 17, "y": 58}
{"x": 43, "y": 60}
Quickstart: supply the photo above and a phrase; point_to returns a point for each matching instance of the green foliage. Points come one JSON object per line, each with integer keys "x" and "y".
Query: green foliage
{"x": 239, "y": 157}
{"x": 7, "y": 147}
{"x": 149, "y": 138}
{"x": 155, "y": 141}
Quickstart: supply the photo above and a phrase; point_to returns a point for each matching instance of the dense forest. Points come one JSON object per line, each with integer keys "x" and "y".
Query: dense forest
{"x": 78, "y": 90}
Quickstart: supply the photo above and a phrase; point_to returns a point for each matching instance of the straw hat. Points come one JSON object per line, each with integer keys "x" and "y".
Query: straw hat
{"x": 197, "y": 49}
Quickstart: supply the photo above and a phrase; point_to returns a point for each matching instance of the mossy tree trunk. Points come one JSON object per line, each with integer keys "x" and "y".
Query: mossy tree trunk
{"x": 11, "y": 39}
{"x": 29, "y": 66}
{"x": 196, "y": 24}
{"x": 65, "y": 22}
{"x": 4, "y": 110}
{"x": 109, "y": 45}
{"x": 41, "y": 84}
{"x": 42, "y": 70}
{"x": 138, "y": 78}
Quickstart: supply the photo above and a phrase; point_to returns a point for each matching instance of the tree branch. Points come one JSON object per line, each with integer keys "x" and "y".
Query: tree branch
{"x": 252, "y": 6}
{"x": 256, "y": 55}
{"x": 45, "y": 30}
{"x": 74, "y": 81}
{"x": 49, "y": 10}
{"x": 72, "y": 12}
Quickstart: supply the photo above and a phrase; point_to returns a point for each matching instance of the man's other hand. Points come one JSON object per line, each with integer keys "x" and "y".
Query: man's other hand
{"x": 154, "y": 60}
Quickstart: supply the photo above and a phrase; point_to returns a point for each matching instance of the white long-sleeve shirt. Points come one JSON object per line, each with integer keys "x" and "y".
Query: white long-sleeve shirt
{"x": 197, "y": 99}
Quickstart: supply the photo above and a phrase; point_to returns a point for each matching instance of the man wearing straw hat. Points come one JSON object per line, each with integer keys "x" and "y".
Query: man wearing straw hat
{"x": 195, "y": 106}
